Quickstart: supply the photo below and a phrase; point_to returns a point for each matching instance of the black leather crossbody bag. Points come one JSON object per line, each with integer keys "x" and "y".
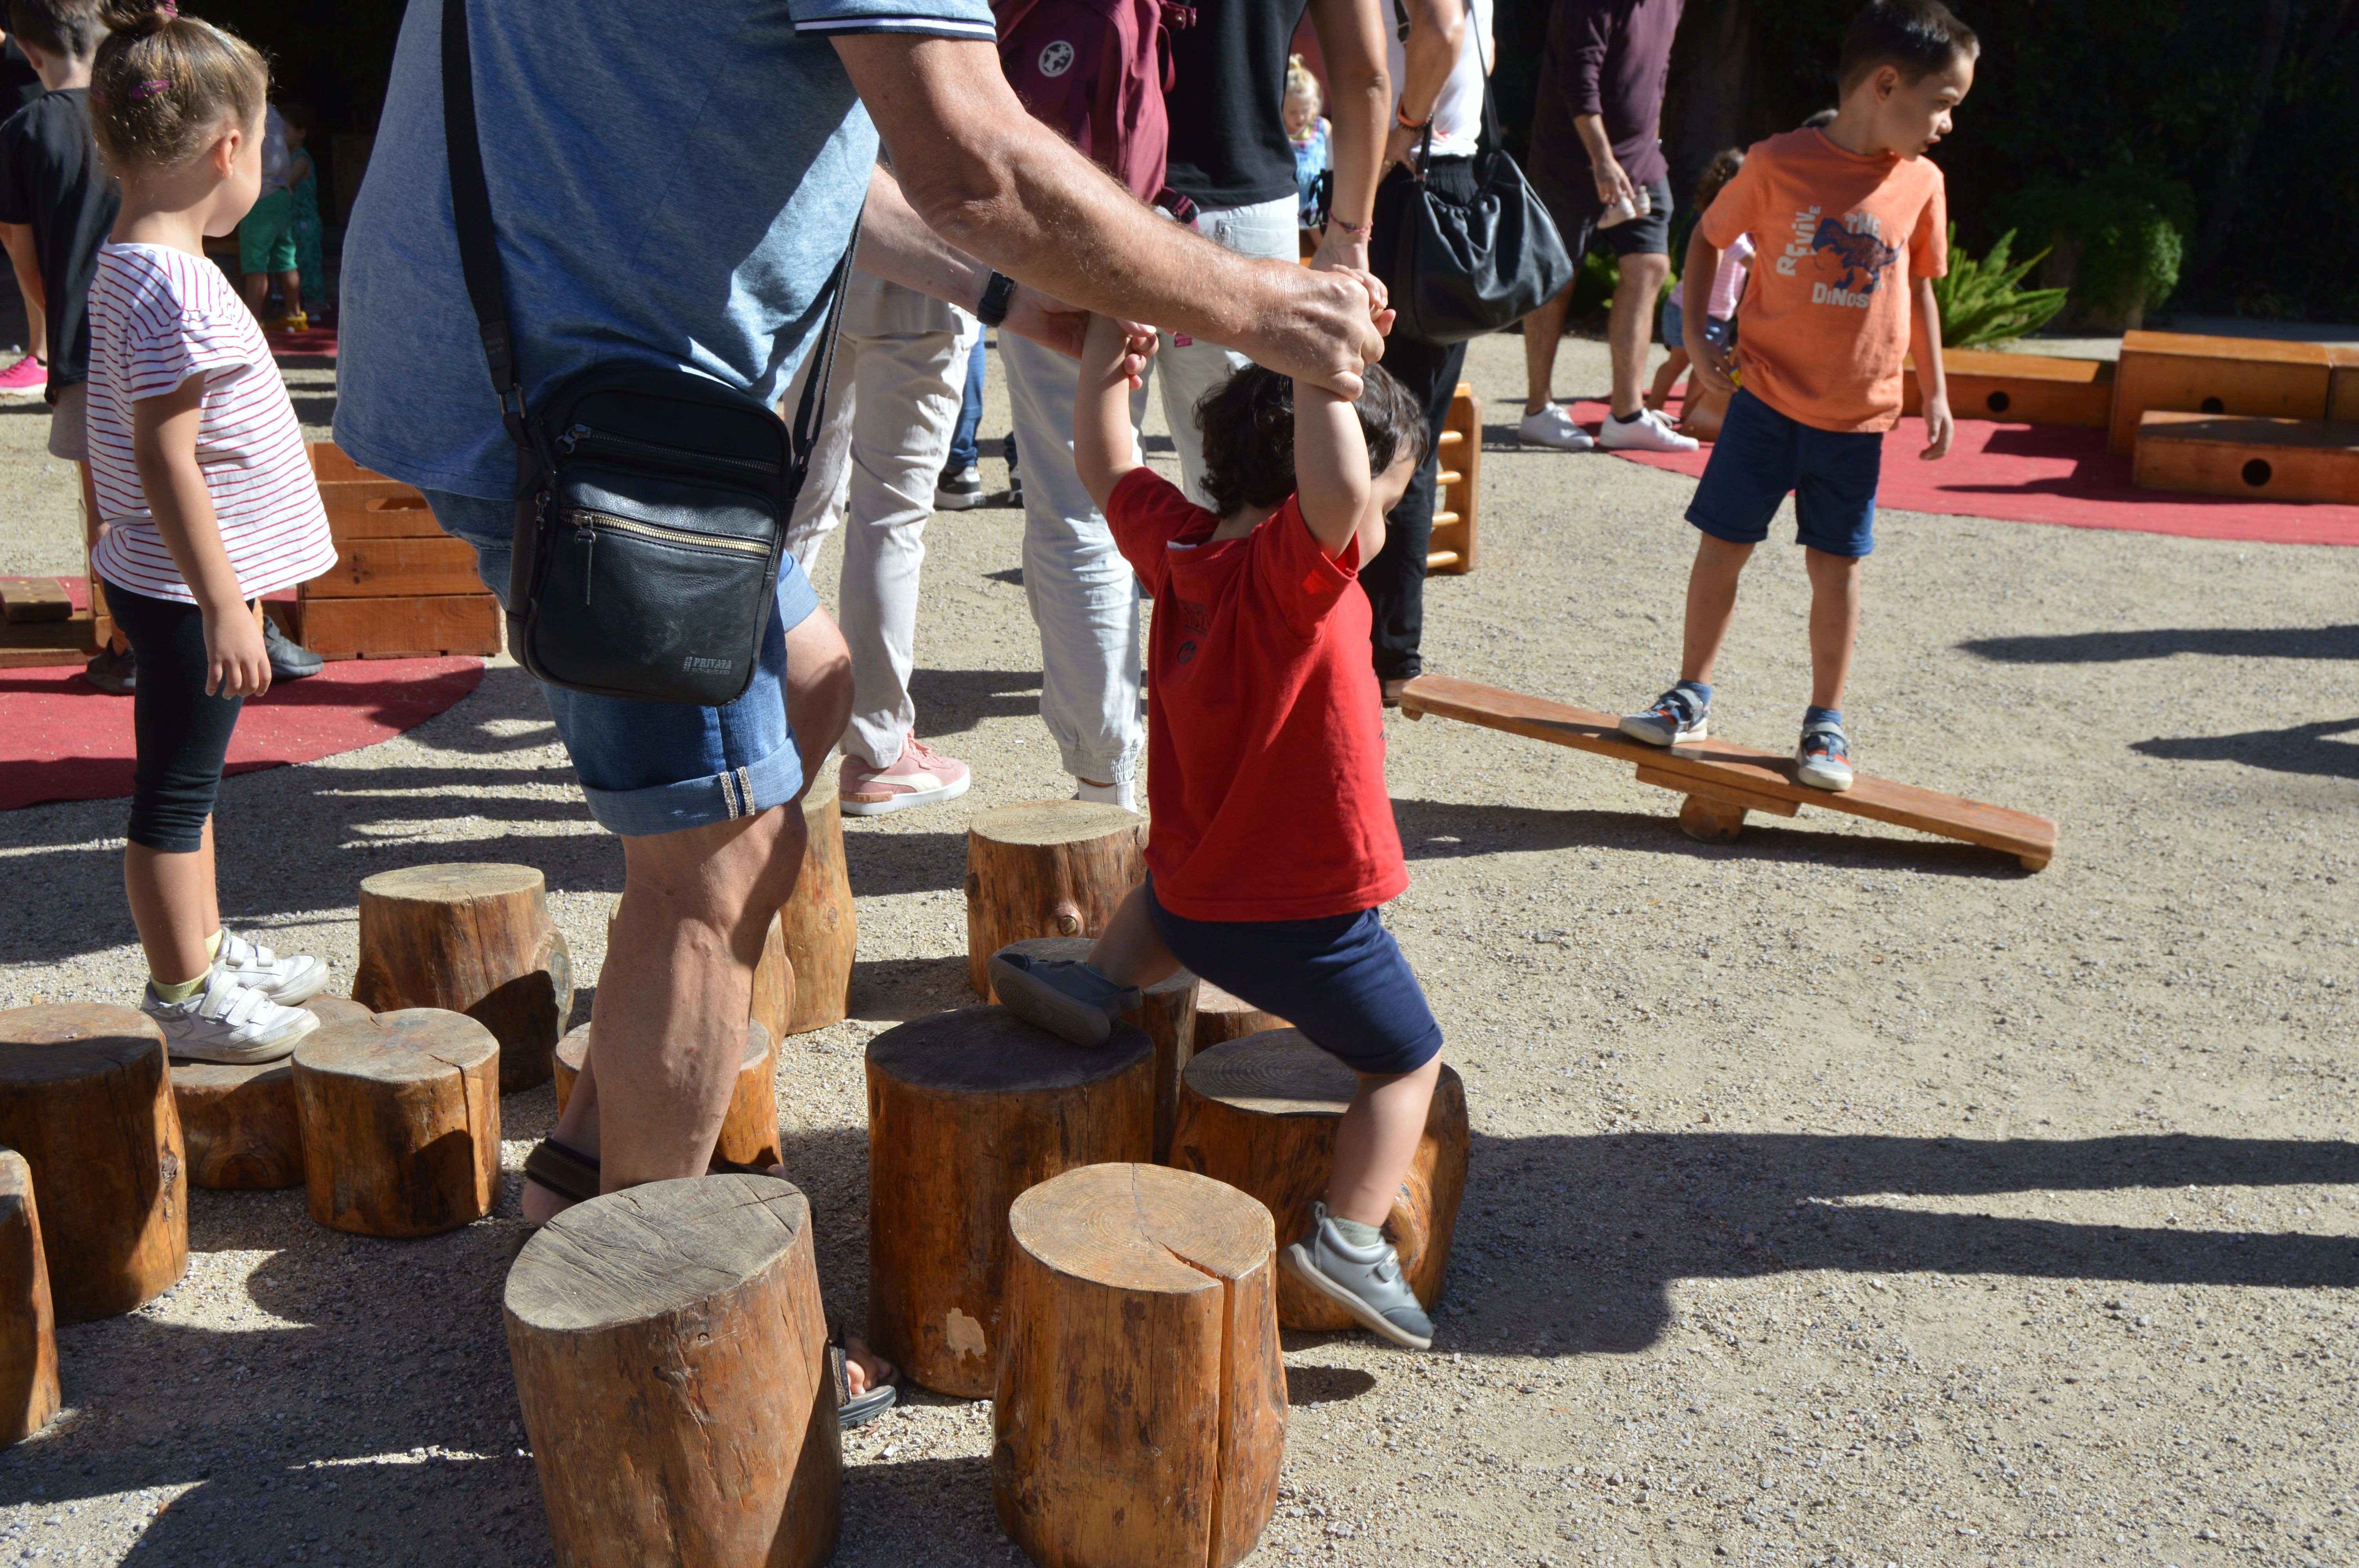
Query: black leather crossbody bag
{"x": 652, "y": 504}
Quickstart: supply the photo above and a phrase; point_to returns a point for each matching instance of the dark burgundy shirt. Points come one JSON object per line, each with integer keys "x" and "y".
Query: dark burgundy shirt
{"x": 1608, "y": 57}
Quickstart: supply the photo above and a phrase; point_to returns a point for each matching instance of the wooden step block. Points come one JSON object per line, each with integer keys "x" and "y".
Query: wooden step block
{"x": 240, "y": 1124}
{"x": 966, "y": 1110}
{"x": 402, "y": 628}
{"x": 86, "y": 1097}
{"x": 1046, "y": 867}
{"x": 1260, "y": 1114}
{"x": 400, "y": 1117}
{"x": 347, "y": 501}
{"x": 1140, "y": 1409}
{"x": 28, "y": 1329}
{"x": 2182, "y": 373}
{"x": 749, "y": 1129}
{"x": 329, "y": 464}
{"x": 34, "y": 598}
{"x": 1220, "y": 1016}
{"x": 474, "y": 938}
{"x": 421, "y": 567}
{"x": 68, "y": 641}
{"x": 1167, "y": 1018}
{"x": 2272, "y": 459}
{"x": 2342, "y": 389}
{"x": 2023, "y": 389}
{"x": 385, "y": 517}
{"x": 1457, "y": 491}
{"x": 670, "y": 1356}
{"x": 820, "y": 926}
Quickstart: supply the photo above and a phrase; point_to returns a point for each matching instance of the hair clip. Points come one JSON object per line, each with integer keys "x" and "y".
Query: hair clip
{"x": 169, "y": 10}
{"x": 147, "y": 89}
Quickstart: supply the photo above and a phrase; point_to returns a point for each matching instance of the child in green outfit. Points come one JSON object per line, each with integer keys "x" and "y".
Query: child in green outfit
{"x": 303, "y": 185}
{"x": 265, "y": 236}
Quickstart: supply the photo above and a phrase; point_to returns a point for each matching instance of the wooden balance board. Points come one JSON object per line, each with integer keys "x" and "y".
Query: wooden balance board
{"x": 1722, "y": 782}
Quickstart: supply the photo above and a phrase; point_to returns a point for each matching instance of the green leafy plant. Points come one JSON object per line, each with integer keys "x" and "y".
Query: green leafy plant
{"x": 1984, "y": 302}
{"x": 2119, "y": 239}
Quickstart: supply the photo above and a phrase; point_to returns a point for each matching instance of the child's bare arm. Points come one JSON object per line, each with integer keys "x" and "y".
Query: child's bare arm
{"x": 1104, "y": 446}
{"x": 164, "y": 449}
{"x": 1695, "y": 314}
{"x": 1932, "y": 382}
{"x": 1330, "y": 470}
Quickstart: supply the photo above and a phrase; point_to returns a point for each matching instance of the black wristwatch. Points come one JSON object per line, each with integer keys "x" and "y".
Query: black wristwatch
{"x": 993, "y": 309}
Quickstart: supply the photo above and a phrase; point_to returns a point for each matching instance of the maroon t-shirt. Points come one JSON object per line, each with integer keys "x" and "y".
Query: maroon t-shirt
{"x": 1608, "y": 57}
{"x": 1093, "y": 69}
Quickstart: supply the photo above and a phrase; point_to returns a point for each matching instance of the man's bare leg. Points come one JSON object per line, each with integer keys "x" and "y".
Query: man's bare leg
{"x": 1630, "y": 326}
{"x": 1542, "y": 330}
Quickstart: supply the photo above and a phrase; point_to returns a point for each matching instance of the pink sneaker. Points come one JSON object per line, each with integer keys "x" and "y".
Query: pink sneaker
{"x": 29, "y": 377}
{"x": 918, "y": 777}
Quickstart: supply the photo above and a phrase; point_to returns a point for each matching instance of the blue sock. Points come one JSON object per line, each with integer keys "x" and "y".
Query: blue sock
{"x": 1822, "y": 716}
{"x": 1697, "y": 690}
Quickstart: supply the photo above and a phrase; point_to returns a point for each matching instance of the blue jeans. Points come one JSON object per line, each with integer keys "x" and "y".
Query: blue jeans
{"x": 963, "y": 453}
{"x": 661, "y": 767}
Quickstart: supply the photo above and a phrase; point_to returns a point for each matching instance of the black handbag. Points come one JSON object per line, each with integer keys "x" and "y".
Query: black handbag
{"x": 652, "y": 504}
{"x": 1457, "y": 270}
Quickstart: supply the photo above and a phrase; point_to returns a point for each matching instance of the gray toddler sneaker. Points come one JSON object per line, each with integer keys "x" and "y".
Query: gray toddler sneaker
{"x": 1064, "y": 995}
{"x": 1365, "y": 1282}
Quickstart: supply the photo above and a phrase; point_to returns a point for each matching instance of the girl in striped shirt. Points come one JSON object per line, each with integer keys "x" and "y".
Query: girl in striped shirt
{"x": 207, "y": 498}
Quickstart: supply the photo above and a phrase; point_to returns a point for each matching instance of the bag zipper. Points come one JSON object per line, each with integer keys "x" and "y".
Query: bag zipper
{"x": 575, "y": 435}
{"x": 587, "y": 523}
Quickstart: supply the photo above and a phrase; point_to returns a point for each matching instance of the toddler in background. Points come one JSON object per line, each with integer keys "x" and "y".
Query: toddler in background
{"x": 265, "y": 236}
{"x": 1307, "y": 128}
{"x": 1702, "y": 406}
{"x": 303, "y": 186}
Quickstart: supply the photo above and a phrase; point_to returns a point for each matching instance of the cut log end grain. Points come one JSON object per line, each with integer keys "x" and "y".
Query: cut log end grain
{"x": 1167, "y": 1015}
{"x": 472, "y": 939}
{"x": 28, "y": 1341}
{"x": 1046, "y": 867}
{"x": 401, "y": 1122}
{"x": 1220, "y": 1016}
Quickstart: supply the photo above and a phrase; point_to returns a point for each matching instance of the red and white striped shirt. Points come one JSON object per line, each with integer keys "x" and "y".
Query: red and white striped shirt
{"x": 157, "y": 317}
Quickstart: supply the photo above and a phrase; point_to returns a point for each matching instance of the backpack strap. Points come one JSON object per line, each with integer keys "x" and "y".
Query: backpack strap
{"x": 471, "y": 206}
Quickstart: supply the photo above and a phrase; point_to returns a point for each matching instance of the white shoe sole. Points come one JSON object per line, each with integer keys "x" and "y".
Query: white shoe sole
{"x": 1818, "y": 778}
{"x": 1299, "y": 1263}
{"x": 1652, "y": 444}
{"x": 905, "y": 800}
{"x": 1586, "y": 443}
{"x": 240, "y": 1055}
{"x": 1637, "y": 731}
{"x": 945, "y": 502}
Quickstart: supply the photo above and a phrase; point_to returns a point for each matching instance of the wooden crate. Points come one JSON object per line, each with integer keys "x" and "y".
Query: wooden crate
{"x": 329, "y": 463}
{"x": 1458, "y": 488}
{"x": 398, "y": 569}
{"x": 384, "y": 517}
{"x": 2343, "y": 387}
{"x": 32, "y": 631}
{"x": 417, "y": 626}
{"x": 2183, "y": 373}
{"x": 2275, "y": 459}
{"x": 2023, "y": 389}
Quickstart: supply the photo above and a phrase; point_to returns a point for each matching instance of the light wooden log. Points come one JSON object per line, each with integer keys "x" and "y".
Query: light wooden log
{"x": 240, "y": 1124}
{"x": 1220, "y": 1016}
{"x": 472, "y": 939}
{"x": 1140, "y": 1408}
{"x": 1046, "y": 867}
{"x": 1168, "y": 1017}
{"x": 822, "y": 929}
{"x": 774, "y": 984}
{"x": 749, "y": 1131}
{"x": 966, "y": 1110}
{"x": 400, "y": 1117}
{"x": 86, "y": 1097}
{"x": 28, "y": 1329}
{"x": 1261, "y": 1113}
{"x": 669, "y": 1352}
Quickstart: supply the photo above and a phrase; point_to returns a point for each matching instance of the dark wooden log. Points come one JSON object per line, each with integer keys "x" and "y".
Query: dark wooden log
{"x": 240, "y": 1124}
{"x": 1168, "y": 1017}
{"x": 28, "y": 1330}
{"x": 401, "y": 1118}
{"x": 472, "y": 939}
{"x": 1046, "y": 867}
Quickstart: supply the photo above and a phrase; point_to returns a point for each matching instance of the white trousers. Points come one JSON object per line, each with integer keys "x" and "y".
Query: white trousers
{"x": 892, "y": 402}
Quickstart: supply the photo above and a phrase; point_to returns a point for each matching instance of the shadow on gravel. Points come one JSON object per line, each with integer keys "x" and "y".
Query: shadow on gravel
{"x": 2304, "y": 749}
{"x": 894, "y": 991}
{"x": 1444, "y": 830}
{"x": 2120, "y": 647}
{"x": 952, "y": 702}
{"x": 1575, "y": 1239}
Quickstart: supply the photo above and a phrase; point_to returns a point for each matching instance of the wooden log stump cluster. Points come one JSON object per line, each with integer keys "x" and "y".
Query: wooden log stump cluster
{"x": 669, "y": 1352}
{"x": 1140, "y": 1407}
{"x": 86, "y": 1099}
{"x": 28, "y": 1329}
{"x": 749, "y": 1131}
{"x": 1168, "y": 1017}
{"x": 238, "y": 1123}
{"x": 1047, "y": 868}
{"x": 1220, "y": 1016}
{"x": 821, "y": 926}
{"x": 966, "y": 1110}
{"x": 1260, "y": 1114}
{"x": 472, "y": 939}
{"x": 400, "y": 1117}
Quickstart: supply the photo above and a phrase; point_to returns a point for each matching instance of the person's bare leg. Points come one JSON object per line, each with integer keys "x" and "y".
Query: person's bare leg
{"x": 1542, "y": 328}
{"x": 1375, "y": 1142}
{"x": 1674, "y": 365}
{"x": 1712, "y": 604}
{"x": 1834, "y": 623}
{"x": 255, "y": 287}
{"x": 1630, "y": 326}
{"x": 290, "y": 289}
{"x": 819, "y": 690}
{"x": 1130, "y": 951}
{"x": 174, "y": 905}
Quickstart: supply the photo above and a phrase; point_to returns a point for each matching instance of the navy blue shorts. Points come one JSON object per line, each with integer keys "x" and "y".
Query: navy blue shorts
{"x": 1343, "y": 980}
{"x": 1761, "y": 455}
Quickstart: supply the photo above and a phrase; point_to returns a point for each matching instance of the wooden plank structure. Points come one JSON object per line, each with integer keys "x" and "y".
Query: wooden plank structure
{"x": 1458, "y": 487}
{"x": 2023, "y": 389}
{"x": 401, "y": 586}
{"x": 34, "y": 634}
{"x": 2183, "y": 373}
{"x": 2224, "y": 454}
{"x": 1722, "y": 781}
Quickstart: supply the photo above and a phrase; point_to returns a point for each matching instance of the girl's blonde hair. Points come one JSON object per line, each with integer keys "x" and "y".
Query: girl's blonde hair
{"x": 163, "y": 85}
{"x": 1300, "y": 82}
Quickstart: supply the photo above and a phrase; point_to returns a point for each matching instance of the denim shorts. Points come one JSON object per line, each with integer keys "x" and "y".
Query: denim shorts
{"x": 1718, "y": 330}
{"x": 1342, "y": 980}
{"x": 661, "y": 767}
{"x": 1761, "y": 455}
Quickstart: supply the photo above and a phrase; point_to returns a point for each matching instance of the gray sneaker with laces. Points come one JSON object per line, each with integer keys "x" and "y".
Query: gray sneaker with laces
{"x": 1365, "y": 1281}
{"x": 1675, "y": 716}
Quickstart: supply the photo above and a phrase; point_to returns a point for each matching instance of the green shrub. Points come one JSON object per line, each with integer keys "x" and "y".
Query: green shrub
{"x": 1982, "y": 302}
{"x": 2119, "y": 237}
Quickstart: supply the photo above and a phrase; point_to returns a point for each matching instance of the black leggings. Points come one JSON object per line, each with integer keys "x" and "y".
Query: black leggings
{"x": 183, "y": 734}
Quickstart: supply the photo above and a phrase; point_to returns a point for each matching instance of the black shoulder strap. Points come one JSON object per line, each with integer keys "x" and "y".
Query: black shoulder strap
{"x": 471, "y": 206}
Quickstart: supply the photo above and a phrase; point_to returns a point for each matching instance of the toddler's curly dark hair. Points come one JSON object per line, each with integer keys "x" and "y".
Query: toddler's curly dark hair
{"x": 1247, "y": 422}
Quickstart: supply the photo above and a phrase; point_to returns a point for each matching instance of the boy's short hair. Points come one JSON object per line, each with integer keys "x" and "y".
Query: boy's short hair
{"x": 69, "y": 28}
{"x": 1247, "y": 422}
{"x": 1915, "y": 37}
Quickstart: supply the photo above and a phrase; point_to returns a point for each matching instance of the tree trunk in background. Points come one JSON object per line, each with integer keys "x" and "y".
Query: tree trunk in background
{"x": 1712, "y": 100}
{"x": 2242, "y": 133}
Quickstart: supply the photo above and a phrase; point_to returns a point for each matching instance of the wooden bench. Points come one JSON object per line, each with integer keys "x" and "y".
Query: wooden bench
{"x": 1458, "y": 486}
{"x": 2220, "y": 454}
{"x": 2182, "y": 373}
{"x": 2023, "y": 389}
{"x": 1722, "y": 782}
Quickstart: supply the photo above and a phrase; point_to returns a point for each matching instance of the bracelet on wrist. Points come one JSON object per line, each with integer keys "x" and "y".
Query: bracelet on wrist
{"x": 1400, "y": 118}
{"x": 1355, "y": 231}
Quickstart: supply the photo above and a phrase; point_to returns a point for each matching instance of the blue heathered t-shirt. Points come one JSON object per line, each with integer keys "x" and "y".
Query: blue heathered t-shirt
{"x": 674, "y": 185}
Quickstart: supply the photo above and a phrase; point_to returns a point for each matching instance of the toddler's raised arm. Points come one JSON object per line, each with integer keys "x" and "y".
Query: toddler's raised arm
{"x": 1105, "y": 449}
{"x": 1331, "y": 472}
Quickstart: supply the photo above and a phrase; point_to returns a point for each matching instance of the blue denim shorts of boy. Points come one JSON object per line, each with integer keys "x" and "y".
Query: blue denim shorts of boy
{"x": 1342, "y": 980}
{"x": 1761, "y": 455}
{"x": 661, "y": 767}
{"x": 1718, "y": 330}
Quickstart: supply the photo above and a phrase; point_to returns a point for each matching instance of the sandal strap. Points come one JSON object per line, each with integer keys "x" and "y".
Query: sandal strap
{"x": 563, "y": 1170}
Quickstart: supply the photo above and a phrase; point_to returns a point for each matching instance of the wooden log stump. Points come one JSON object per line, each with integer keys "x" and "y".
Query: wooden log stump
{"x": 1260, "y": 1114}
{"x": 400, "y": 1117}
{"x": 475, "y": 939}
{"x": 749, "y": 1133}
{"x": 333, "y": 1009}
{"x": 1140, "y": 1409}
{"x": 1220, "y": 1016}
{"x": 86, "y": 1097}
{"x": 1047, "y": 868}
{"x": 821, "y": 928}
{"x": 28, "y": 1330}
{"x": 966, "y": 1110}
{"x": 670, "y": 1356}
{"x": 239, "y": 1124}
{"x": 774, "y": 984}
{"x": 1168, "y": 1017}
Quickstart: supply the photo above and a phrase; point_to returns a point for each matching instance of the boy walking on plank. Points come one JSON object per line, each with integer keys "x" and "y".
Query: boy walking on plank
{"x": 1259, "y": 680}
{"x": 1849, "y": 226}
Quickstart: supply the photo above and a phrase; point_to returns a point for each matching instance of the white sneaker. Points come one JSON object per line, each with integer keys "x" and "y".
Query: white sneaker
{"x": 1649, "y": 432}
{"x": 1553, "y": 426}
{"x": 299, "y": 977}
{"x": 228, "y": 1023}
{"x": 1124, "y": 794}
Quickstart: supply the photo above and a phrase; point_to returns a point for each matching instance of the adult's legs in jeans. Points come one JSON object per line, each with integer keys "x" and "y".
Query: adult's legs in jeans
{"x": 969, "y": 419}
{"x": 1395, "y": 580}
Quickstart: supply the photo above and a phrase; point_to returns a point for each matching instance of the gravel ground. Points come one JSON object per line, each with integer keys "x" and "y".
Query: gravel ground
{"x": 1839, "y": 1197}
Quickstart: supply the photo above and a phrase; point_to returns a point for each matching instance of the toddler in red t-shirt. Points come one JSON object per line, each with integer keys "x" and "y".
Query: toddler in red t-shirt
{"x": 1272, "y": 841}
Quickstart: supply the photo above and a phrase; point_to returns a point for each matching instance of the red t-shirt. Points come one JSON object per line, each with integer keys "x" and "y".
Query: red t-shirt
{"x": 1266, "y": 744}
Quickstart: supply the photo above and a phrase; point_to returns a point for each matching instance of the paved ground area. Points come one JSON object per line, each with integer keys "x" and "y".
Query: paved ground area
{"x": 1839, "y": 1197}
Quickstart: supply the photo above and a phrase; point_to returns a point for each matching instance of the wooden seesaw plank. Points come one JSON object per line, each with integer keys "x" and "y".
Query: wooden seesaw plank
{"x": 1732, "y": 779}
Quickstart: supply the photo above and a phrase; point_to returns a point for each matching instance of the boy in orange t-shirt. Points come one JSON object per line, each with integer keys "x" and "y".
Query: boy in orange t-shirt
{"x": 1851, "y": 228}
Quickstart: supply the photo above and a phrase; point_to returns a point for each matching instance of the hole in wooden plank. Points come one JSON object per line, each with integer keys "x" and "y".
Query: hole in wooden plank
{"x": 2257, "y": 472}
{"x": 1998, "y": 402}
{"x": 2213, "y": 406}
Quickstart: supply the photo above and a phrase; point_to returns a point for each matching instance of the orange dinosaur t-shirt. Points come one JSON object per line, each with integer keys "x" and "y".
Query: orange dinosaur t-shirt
{"x": 1824, "y": 323}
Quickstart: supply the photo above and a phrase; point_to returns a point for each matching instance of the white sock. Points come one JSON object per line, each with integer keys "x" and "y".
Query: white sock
{"x": 1124, "y": 794}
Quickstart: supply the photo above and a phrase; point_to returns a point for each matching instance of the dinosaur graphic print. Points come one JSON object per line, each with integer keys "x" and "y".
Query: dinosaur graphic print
{"x": 1861, "y": 252}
